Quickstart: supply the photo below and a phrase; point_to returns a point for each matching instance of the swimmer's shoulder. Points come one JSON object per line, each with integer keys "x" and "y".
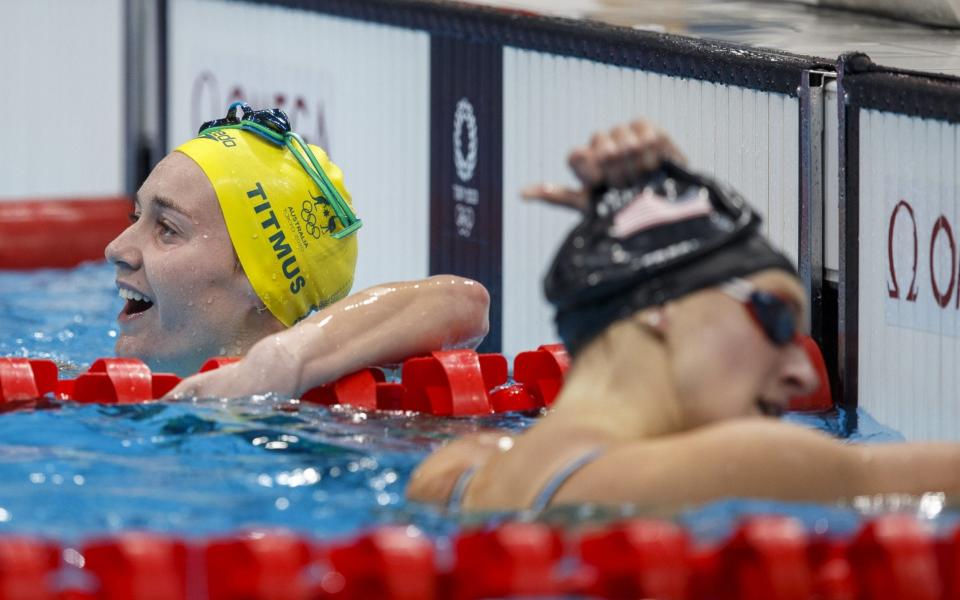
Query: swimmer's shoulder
{"x": 514, "y": 478}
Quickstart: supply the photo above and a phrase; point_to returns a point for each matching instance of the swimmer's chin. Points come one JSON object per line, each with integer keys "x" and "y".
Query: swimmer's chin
{"x": 178, "y": 365}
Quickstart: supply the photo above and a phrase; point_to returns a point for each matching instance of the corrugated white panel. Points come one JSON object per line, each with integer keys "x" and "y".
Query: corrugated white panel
{"x": 62, "y": 96}
{"x": 361, "y": 90}
{"x": 910, "y": 334}
{"x": 551, "y": 104}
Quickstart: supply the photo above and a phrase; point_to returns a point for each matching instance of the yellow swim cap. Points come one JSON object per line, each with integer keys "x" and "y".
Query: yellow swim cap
{"x": 294, "y": 239}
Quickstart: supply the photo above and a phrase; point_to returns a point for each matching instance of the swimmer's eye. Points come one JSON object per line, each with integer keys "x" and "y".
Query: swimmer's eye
{"x": 134, "y": 217}
{"x": 166, "y": 230}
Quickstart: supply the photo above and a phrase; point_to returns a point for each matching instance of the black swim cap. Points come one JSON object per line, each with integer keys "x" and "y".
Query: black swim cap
{"x": 676, "y": 233}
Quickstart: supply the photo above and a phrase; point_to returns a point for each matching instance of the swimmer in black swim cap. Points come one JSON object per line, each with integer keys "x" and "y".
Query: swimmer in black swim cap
{"x": 684, "y": 323}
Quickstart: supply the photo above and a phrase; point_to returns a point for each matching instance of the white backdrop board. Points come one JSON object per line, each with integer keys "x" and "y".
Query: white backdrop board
{"x": 745, "y": 137}
{"x": 359, "y": 89}
{"x": 63, "y": 99}
{"x": 909, "y": 316}
{"x": 899, "y": 271}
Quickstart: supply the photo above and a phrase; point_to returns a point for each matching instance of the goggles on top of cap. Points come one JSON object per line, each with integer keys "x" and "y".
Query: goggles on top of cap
{"x": 774, "y": 315}
{"x": 273, "y": 126}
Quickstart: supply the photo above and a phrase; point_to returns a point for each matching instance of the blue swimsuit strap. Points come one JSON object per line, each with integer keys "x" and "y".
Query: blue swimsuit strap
{"x": 455, "y": 501}
{"x": 560, "y": 477}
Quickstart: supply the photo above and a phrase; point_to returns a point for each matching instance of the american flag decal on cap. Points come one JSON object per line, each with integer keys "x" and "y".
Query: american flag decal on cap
{"x": 648, "y": 210}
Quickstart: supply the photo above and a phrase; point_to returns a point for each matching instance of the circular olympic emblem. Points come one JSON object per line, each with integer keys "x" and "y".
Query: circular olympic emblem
{"x": 310, "y": 219}
{"x": 466, "y": 162}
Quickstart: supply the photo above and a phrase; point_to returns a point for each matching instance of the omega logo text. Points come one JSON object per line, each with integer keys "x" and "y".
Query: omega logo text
{"x": 905, "y": 257}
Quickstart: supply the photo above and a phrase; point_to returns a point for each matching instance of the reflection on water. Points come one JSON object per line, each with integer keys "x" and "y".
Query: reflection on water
{"x": 67, "y": 315}
{"x": 206, "y": 467}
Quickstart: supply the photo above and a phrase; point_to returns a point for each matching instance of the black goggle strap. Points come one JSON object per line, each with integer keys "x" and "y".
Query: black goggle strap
{"x": 276, "y": 131}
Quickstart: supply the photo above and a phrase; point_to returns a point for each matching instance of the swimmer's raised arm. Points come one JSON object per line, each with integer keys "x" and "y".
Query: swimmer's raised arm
{"x": 379, "y": 325}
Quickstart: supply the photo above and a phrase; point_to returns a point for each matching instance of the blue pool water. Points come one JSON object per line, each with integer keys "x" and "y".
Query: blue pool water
{"x": 202, "y": 468}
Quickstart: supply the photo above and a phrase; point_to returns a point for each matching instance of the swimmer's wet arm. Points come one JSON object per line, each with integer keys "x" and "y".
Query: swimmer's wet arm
{"x": 762, "y": 459}
{"x": 386, "y": 324}
{"x": 380, "y": 325}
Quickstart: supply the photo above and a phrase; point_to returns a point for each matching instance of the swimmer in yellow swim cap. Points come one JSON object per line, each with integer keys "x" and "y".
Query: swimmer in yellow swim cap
{"x": 683, "y": 323}
{"x": 243, "y": 242}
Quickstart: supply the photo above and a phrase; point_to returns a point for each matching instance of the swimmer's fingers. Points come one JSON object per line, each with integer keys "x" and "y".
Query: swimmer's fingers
{"x": 558, "y": 195}
{"x": 184, "y": 389}
{"x": 220, "y": 383}
{"x": 651, "y": 146}
{"x": 585, "y": 164}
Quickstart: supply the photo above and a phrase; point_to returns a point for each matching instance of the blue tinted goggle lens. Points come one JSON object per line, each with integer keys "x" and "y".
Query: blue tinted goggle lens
{"x": 774, "y": 316}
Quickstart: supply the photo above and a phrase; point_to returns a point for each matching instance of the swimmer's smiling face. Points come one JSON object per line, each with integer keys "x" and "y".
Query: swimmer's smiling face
{"x": 723, "y": 363}
{"x": 186, "y": 297}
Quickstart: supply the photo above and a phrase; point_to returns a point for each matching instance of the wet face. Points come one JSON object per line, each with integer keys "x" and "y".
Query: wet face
{"x": 185, "y": 297}
{"x": 724, "y": 365}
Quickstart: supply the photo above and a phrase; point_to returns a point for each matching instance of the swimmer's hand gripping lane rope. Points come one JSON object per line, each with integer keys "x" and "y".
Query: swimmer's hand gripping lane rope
{"x": 273, "y": 126}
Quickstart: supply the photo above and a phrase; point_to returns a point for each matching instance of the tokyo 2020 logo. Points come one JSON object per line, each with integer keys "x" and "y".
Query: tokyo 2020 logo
{"x": 464, "y": 119}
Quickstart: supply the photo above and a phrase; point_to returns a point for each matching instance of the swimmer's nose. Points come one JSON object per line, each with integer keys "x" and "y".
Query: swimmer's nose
{"x": 122, "y": 252}
{"x": 797, "y": 373}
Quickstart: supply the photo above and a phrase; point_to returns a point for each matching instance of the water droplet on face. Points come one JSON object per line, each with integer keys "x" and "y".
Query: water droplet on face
{"x": 255, "y": 236}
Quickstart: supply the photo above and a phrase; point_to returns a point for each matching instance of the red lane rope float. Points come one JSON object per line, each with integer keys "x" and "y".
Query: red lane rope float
{"x": 769, "y": 557}
{"x": 893, "y": 557}
{"x": 137, "y": 565}
{"x": 25, "y": 566}
{"x": 24, "y": 379}
{"x": 444, "y": 383}
{"x": 541, "y": 372}
{"x": 513, "y": 559}
{"x": 766, "y": 559}
{"x": 258, "y": 566}
{"x": 394, "y": 562}
{"x": 638, "y": 559}
{"x": 37, "y": 234}
{"x": 119, "y": 381}
{"x": 833, "y": 573}
{"x": 448, "y": 383}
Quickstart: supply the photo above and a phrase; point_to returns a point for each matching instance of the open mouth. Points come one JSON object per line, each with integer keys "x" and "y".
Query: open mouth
{"x": 136, "y": 303}
{"x": 769, "y": 409}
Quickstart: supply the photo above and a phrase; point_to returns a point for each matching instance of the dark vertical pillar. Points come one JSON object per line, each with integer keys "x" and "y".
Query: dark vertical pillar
{"x": 466, "y": 164}
{"x": 848, "y": 301}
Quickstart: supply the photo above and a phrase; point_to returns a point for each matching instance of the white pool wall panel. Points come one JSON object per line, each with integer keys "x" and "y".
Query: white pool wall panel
{"x": 908, "y": 348}
{"x": 551, "y": 104}
{"x": 63, "y": 99}
{"x": 369, "y": 82}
